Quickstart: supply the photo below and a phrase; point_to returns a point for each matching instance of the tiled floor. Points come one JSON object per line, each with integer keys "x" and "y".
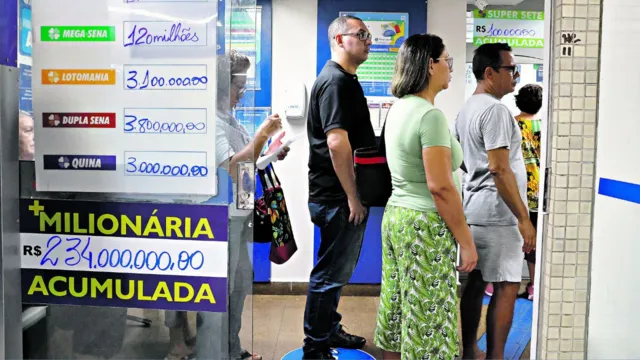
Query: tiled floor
{"x": 274, "y": 321}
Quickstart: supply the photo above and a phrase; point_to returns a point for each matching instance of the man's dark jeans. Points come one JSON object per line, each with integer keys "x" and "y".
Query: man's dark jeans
{"x": 340, "y": 245}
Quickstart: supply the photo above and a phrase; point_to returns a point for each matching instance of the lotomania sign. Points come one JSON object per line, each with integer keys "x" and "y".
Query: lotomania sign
{"x": 520, "y": 29}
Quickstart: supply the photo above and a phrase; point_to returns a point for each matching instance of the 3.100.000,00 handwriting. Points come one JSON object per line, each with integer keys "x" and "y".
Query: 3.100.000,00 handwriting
{"x": 81, "y": 255}
{"x": 165, "y": 77}
{"x": 155, "y": 82}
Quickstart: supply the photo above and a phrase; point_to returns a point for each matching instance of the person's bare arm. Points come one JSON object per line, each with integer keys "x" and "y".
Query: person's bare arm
{"x": 342, "y": 159}
{"x": 505, "y": 179}
{"x": 437, "y": 166}
{"x": 497, "y": 127}
{"x": 252, "y": 151}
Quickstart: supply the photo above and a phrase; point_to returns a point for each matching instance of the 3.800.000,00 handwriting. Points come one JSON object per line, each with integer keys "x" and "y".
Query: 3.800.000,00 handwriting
{"x": 79, "y": 251}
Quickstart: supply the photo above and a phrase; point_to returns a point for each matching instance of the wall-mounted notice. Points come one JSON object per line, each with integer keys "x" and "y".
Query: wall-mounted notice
{"x": 529, "y": 74}
{"x": 518, "y": 28}
{"x": 25, "y": 33}
{"x": 388, "y": 31}
{"x": 124, "y": 96}
{"x": 252, "y": 117}
{"x": 155, "y": 256}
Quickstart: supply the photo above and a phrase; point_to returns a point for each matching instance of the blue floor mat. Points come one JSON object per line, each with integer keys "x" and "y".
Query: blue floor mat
{"x": 342, "y": 354}
{"x": 520, "y": 333}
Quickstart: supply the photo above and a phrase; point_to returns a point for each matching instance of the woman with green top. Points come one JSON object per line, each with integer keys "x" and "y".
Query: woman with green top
{"x": 418, "y": 314}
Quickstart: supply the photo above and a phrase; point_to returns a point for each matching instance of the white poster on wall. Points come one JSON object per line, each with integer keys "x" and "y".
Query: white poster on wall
{"x": 124, "y": 96}
{"x": 529, "y": 74}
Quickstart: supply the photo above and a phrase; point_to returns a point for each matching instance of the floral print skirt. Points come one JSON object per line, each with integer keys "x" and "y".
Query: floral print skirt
{"x": 418, "y": 313}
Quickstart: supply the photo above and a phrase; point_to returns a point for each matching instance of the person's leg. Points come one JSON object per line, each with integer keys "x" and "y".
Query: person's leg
{"x": 531, "y": 261}
{"x": 507, "y": 277}
{"x": 470, "y": 311}
{"x": 178, "y": 324}
{"x": 212, "y": 337}
{"x": 499, "y": 317}
{"x": 531, "y": 266}
{"x": 428, "y": 281}
{"x": 243, "y": 283}
{"x": 340, "y": 245}
{"x": 388, "y": 332}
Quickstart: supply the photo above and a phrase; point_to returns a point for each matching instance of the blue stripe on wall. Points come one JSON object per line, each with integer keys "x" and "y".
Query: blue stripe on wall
{"x": 369, "y": 268}
{"x": 619, "y": 190}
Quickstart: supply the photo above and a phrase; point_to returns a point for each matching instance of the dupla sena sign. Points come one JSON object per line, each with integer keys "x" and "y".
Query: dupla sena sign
{"x": 520, "y": 29}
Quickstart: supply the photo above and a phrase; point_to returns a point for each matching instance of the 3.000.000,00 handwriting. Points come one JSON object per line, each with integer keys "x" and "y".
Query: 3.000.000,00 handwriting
{"x": 158, "y": 169}
{"x": 119, "y": 258}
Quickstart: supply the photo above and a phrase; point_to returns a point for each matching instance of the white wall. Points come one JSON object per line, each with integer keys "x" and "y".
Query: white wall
{"x": 614, "y": 319}
{"x": 294, "y": 42}
{"x": 294, "y": 59}
{"x": 447, "y": 19}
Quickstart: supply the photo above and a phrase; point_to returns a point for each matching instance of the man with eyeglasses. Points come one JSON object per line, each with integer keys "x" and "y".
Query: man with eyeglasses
{"x": 338, "y": 123}
{"x": 495, "y": 198}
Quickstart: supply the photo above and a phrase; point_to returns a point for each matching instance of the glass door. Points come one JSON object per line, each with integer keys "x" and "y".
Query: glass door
{"x": 151, "y": 267}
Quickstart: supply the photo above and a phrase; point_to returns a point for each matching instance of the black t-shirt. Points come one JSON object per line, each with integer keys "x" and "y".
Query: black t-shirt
{"x": 337, "y": 101}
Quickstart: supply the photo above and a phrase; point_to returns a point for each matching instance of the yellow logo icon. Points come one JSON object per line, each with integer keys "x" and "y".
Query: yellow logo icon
{"x": 54, "y": 77}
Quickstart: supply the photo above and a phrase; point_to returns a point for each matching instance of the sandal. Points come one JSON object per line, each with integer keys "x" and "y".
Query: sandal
{"x": 247, "y": 355}
{"x": 180, "y": 355}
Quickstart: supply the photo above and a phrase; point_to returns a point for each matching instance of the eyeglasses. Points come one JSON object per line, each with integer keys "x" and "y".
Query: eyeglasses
{"x": 449, "y": 61}
{"x": 512, "y": 69}
{"x": 240, "y": 89}
{"x": 362, "y": 35}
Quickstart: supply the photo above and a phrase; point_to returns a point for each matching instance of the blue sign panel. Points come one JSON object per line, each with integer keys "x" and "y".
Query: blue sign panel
{"x": 25, "y": 89}
{"x": 251, "y": 118}
{"x": 9, "y": 33}
{"x": 539, "y": 73}
{"x": 26, "y": 35}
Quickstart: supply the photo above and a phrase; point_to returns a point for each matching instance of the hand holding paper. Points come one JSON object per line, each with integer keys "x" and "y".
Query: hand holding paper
{"x": 277, "y": 144}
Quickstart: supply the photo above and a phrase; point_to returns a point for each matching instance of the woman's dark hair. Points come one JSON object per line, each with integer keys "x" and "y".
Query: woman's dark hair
{"x": 230, "y": 67}
{"x": 529, "y": 99}
{"x": 411, "y": 71}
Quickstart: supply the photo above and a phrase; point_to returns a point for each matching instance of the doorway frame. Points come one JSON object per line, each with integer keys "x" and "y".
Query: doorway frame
{"x": 545, "y": 178}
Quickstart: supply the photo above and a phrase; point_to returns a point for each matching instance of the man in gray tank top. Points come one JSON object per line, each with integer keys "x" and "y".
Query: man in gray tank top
{"x": 494, "y": 199}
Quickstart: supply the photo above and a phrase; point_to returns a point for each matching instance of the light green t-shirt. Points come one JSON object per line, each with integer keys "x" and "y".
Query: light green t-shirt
{"x": 413, "y": 124}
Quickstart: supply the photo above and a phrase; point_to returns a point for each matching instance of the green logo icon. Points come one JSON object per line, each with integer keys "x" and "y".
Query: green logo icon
{"x": 78, "y": 33}
{"x": 54, "y": 34}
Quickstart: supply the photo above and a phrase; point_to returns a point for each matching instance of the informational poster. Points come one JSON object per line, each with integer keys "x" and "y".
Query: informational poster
{"x": 124, "y": 96}
{"x": 252, "y": 117}
{"x": 388, "y": 31}
{"x": 25, "y": 33}
{"x": 153, "y": 256}
{"x": 246, "y": 36}
{"x": 26, "y": 96}
{"x": 539, "y": 72}
{"x": 25, "y": 116}
{"x": 518, "y": 28}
